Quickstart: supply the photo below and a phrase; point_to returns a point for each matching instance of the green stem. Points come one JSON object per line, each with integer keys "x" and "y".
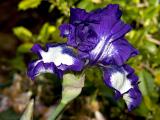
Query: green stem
{"x": 59, "y": 109}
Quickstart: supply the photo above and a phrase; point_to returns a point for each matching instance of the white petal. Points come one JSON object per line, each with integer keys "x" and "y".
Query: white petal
{"x": 56, "y": 55}
{"x": 127, "y": 99}
{"x": 120, "y": 81}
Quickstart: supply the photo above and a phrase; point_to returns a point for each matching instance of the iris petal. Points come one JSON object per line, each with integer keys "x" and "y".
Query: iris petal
{"x": 68, "y": 30}
{"x": 118, "y": 52}
{"x": 124, "y": 82}
{"x": 77, "y": 15}
{"x": 117, "y": 78}
{"x": 133, "y": 98}
{"x": 114, "y": 53}
{"x": 119, "y": 30}
{"x": 57, "y": 58}
{"x": 39, "y": 67}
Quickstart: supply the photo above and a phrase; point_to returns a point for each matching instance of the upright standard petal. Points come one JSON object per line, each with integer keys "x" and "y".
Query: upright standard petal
{"x": 124, "y": 82}
{"x": 77, "y": 15}
{"x": 56, "y": 59}
{"x": 107, "y": 18}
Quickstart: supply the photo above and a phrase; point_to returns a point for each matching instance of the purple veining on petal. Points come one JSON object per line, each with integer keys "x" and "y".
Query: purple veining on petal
{"x": 133, "y": 98}
{"x": 87, "y": 39}
{"x": 35, "y": 69}
{"x": 113, "y": 10}
{"x": 118, "y": 52}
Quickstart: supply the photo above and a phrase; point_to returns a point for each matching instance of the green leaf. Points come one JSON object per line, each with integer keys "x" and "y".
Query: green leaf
{"x": 26, "y": 4}
{"x": 22, "y": 33}
{"x": 51, "y": 29}
{"x": 45, "y": 32}
{"x": 24, "y": 48}
{"x": 9, "y": 114}
{"x": 142, "y": 109}
{"x": 150, "y": 12}
{"x": 150, "y": 47}
{"x": 147, "y": 85}
{"x": 153, "y": 2}
{"x": 18, "y": 63}
{"x": 86, "y": 4}
{"x": 43, "y": 35}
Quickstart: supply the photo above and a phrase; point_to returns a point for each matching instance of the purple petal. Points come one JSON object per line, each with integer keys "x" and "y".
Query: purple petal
{"x": 117, "y": 52}
{"x": 113, "y": 10}
{"x": 38, "y": 67}
{"x": 133, "y": 98}
{"x": 119, "y": 30}
{"x": 90, "y": 38}
{"x": 37, "y": 49}
{"x": 77, "y": 15}
{"x": 68, "y": 30}
{"x": 83, "y": 55}
{"x": 108, "y": 24}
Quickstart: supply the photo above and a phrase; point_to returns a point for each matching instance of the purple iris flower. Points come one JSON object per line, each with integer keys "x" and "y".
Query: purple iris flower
{"x": 99, "y": 37}
{"x": 56, "y": 59}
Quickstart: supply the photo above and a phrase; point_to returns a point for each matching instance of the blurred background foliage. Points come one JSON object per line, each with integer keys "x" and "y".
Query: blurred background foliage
{"x": 23, "y": 23}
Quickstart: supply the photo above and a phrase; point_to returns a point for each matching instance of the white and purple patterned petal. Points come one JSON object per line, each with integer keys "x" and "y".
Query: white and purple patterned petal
{"x": 38, "y": 67}
{"x": 57, "y": 58}
{"x": 124, "y": 82}
{"x": 133, "y": 98}
{"x": 117, "y": 78}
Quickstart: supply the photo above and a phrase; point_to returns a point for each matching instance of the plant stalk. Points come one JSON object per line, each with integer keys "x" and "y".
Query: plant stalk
{"x": 59, "y": 109}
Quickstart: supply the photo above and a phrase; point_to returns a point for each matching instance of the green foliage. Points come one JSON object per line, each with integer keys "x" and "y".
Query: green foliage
{"x": 26, "y": 4}
{"x": 8, "y": 114}
{"x": 23, "y": 33}
{"x": 24, "y": 48}
{"x": 143, "y": 15}
{"x": 45, "y": 32}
